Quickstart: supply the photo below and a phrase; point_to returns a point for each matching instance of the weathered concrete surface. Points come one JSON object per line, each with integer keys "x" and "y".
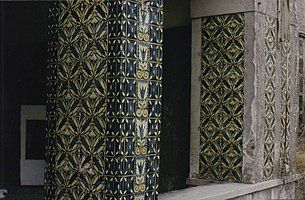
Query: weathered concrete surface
{"x": 301, "y": 15}
{"x": 294, "y": 85}
{"x": 266, "y": 7}
{"x": 250, "y": 162}
{"x": 202, "y": 8}
{"x": 195, "y": 94}
{"x": 273, "y": 189}
{"x": 270, "y": 8}
{"x": 257, "y": 111}
{"x": 265, "y": 10}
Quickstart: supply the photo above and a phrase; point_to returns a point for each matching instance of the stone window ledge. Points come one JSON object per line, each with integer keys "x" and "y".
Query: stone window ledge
{"x": 217, "y": 191}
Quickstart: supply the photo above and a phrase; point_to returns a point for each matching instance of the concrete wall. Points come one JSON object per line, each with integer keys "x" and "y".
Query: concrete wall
{"x": 301, "y": 15}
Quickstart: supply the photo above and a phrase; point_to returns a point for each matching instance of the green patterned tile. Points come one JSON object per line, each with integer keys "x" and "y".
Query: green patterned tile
{"x": 222, "y": 97}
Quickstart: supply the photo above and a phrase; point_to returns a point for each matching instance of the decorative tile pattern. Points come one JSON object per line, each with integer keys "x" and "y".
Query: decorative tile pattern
{"x": 300, "y": 87}
{"x": 77, "y": 100}
{"x": 51, "y": 104}
{"x": 285, "y": 108}
{"x": 104, "y": 99}
{"x": 269, "y": 127}
{"x": 222, "y": 97}
{"x": 134, "y": 99}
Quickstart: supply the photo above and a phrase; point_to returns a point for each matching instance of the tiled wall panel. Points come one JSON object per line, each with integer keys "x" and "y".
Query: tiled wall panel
{"x": 285, "y": 52}
{"x": 51, "y": 103}
{"x": 222, "y": 97}
{"x": 269, "y": 97}
{"x": 301, "y": 86}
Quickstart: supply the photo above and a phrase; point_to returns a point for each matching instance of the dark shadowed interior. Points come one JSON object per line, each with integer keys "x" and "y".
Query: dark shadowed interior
{"x": 24, "y": 52}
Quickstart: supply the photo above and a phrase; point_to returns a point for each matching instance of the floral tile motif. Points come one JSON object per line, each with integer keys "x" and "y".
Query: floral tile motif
{"x": 285, "y": 51}
{"x": 76, "y": 100}
{"x": 134, "y": 99}
{"x": 222, "y": 97}
{"x": 270, "y": 67}
{"x": 104, "y": 99}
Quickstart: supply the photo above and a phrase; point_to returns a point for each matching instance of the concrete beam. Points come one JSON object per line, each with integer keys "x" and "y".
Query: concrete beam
{"x": 230, "y": 190}
{"x": 203, "y": 8}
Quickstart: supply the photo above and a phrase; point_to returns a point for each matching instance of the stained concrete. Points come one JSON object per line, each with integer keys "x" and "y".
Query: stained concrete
{"x": 264, "y": 10}
{"x": 294, "y": 84}
{"x": 203, "y": 8}
{"x": 249, "y": 137}
{"x": 273, "y": 189}
{"x": 195, "y": 96}
{"x": 301, "y": 16}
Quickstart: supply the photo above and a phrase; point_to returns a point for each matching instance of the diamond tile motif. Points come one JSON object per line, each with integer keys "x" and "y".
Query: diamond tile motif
{"x": 222, "y": 97}
{"x": 285, "y": 50}
{"x": 269, "y": 127}
{"x": 51, "y": 104}
{"x": 300, "y": 87}
{"x": 76, "y": 106}
{"x": 104, "y": 99}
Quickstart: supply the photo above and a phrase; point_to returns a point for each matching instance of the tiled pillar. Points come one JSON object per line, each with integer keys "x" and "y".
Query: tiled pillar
{"x": 242, "y": 118}
{"x": 134, "y": 99}
{"x": 104, "y": 98}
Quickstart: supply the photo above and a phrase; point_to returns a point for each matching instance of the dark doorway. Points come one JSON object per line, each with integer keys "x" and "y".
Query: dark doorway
{"x": 23, "y": 51}
{"x": 175, "y": 132}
